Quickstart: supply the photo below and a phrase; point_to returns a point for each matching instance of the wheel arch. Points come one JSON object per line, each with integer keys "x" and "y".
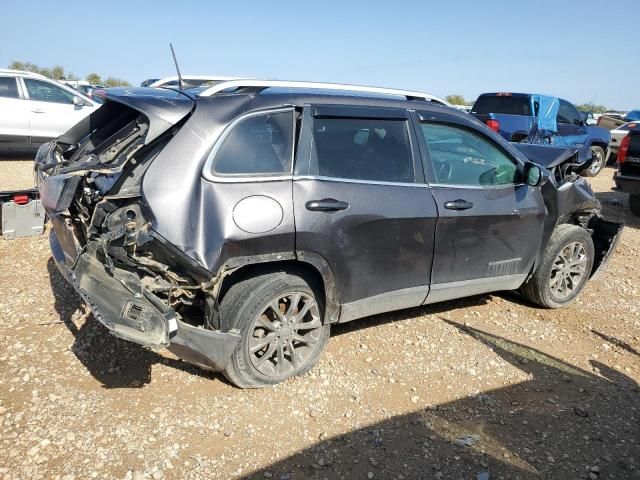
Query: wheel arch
{"x": 599, "y": 143}
{"x": 311, "y": 267}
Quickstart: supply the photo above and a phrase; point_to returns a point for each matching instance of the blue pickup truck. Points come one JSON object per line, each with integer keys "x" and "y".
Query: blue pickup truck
{"x": 533, "y": 118}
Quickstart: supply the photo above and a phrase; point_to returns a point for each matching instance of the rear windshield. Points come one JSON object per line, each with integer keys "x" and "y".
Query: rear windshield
{"x": 505, "y": 104}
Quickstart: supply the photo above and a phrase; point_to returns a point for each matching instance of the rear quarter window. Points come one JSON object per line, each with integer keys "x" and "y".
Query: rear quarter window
{"x": 258, "y": 144}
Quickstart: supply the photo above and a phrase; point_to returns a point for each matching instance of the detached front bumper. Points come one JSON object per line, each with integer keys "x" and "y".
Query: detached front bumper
{"x": 132, "y": 313}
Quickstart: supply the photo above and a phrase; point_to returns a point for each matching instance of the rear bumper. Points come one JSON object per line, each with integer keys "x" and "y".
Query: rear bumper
{"x": 625, "y": 183}
{"x": 130, "y": 312}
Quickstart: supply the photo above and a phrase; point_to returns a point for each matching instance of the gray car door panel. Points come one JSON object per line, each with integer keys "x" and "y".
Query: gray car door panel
{"x": 376, "y": 236}
{"x": 499, "y": 235}
{"x": 487, "y": 236}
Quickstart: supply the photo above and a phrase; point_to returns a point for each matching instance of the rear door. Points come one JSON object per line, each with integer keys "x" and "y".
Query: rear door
{"x": 51, "y": 109}
{"x": 361, "y": 206}
{"x": 490, "y": 223}
{"x": 14, "y": 120}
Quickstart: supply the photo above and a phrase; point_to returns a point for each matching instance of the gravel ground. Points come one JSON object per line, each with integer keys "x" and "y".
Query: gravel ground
{"x": 483, "y": 388}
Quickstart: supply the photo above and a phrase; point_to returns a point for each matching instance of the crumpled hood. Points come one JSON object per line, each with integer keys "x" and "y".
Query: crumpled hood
{"x": 548, "y": 156}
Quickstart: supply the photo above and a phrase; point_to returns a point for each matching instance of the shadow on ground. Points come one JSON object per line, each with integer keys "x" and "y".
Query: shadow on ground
{"x": 615, "y": 206}
{"x": 563, "y": 423}
{"x": 113, "y": 362}
{"x": 18, "y": 153}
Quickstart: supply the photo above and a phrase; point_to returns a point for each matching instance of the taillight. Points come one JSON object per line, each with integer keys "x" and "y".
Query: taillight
{"x": 21, "y": 199}
{"x": 624, "y": 148}
{"x": 493, "y": 125}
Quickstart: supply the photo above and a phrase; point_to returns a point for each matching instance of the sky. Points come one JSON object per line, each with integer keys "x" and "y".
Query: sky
{"x": 584, "y": 51}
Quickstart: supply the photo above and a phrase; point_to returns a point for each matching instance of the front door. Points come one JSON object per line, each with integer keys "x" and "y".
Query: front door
{"x": 51, "y": 109}
{"x": 571, "y": 131}
{"x": 490, "y": 224}
{"x": 361, "y": 206}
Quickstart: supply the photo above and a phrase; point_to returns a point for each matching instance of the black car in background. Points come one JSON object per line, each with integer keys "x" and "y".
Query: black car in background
{"x": 235, "y": 224}
{"x": 627, "y": 178}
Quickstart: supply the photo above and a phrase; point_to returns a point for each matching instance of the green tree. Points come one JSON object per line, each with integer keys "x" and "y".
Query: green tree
{"x": 590, "y": 107}
{"x": 455, "y": 99}
{"x": 116, "y": 82}
{"x": 17, "y": 66}
{"x": 57, "y": 72}
{"x": 94, "y": 79}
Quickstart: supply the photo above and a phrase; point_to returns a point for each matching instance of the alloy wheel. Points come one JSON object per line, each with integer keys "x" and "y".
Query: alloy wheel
{"x": 596, "y": 165}
{"x": 285, "y": 335}
{"x": 569, "y": 270}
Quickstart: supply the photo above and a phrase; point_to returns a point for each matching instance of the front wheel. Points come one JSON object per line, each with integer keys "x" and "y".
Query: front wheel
{"x": 596, "y": 165}
{"x": 563, "y": 270}
{"x": 280, "y": 318}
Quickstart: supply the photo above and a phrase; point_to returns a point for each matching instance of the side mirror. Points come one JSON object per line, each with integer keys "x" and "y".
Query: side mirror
{"x": 78, "y": 102}
{"x": 532, "y": 174}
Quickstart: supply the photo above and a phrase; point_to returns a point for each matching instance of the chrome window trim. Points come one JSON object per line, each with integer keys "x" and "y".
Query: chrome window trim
{"x": 477, "y": 187}
{"x": 207, "y": 169}
{"x": 322, "y": 178}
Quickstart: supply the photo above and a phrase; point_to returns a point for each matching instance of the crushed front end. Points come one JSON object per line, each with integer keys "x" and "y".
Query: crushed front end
{"x": 139, "y": 286}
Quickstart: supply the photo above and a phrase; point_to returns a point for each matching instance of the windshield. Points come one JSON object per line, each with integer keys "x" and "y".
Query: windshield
{"x": 505, "y": 104}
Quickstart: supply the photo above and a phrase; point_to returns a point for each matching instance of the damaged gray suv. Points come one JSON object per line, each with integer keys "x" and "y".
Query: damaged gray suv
{"x": 234, "y": 224}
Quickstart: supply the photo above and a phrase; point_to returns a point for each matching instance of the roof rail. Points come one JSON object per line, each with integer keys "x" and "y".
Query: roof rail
{"x": 22, "y": 72}
{"x": 258, "y": 85}
{"x": 174, "y": 78}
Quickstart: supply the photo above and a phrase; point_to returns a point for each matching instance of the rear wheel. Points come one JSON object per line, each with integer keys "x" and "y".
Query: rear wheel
{"x": 564, "y": 269}
{"x": 634, "y": 203}
{"x": 281, "y": 322}
{"x": 596, "y": 165}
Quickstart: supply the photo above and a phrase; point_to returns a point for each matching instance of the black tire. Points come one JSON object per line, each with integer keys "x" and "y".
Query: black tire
{"x": 634, "y": 204}
{"x": 538, "y": 288}
{"x": 598, "y": 163}
{"x": 246, "y": 307}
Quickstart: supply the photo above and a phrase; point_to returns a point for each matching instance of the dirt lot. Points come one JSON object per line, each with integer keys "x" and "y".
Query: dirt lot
{"x": 487, "y": 387}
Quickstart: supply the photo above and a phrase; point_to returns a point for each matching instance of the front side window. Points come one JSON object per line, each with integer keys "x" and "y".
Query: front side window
{"x": 462, "y": 157}
{"x": 47, "y": 92}
{"x": 362, "y": 149}
{"x": 257, "y": 145}
{"x": 567, "y": 113}
{"x": 8, "y": 87}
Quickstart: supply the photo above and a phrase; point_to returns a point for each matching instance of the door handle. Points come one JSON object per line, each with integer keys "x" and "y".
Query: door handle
{"x": 38, "y": 111}
{"x": 326, "y": 205}
{"x": 458, "y": 204}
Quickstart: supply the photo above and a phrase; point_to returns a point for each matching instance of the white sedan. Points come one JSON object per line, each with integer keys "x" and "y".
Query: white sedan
{"x": 35, "y": 109}
{"x": 617, "y": 135}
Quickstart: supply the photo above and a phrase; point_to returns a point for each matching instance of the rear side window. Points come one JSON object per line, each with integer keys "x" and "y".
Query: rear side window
{"x": 259, "y": 144}
{"x": 47, "y": 92}
{"x": 504, "y": 104}
{"x": 362, "y": 149}
{"x": 462, "y": 157}
{"x": 8, "y": 87}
